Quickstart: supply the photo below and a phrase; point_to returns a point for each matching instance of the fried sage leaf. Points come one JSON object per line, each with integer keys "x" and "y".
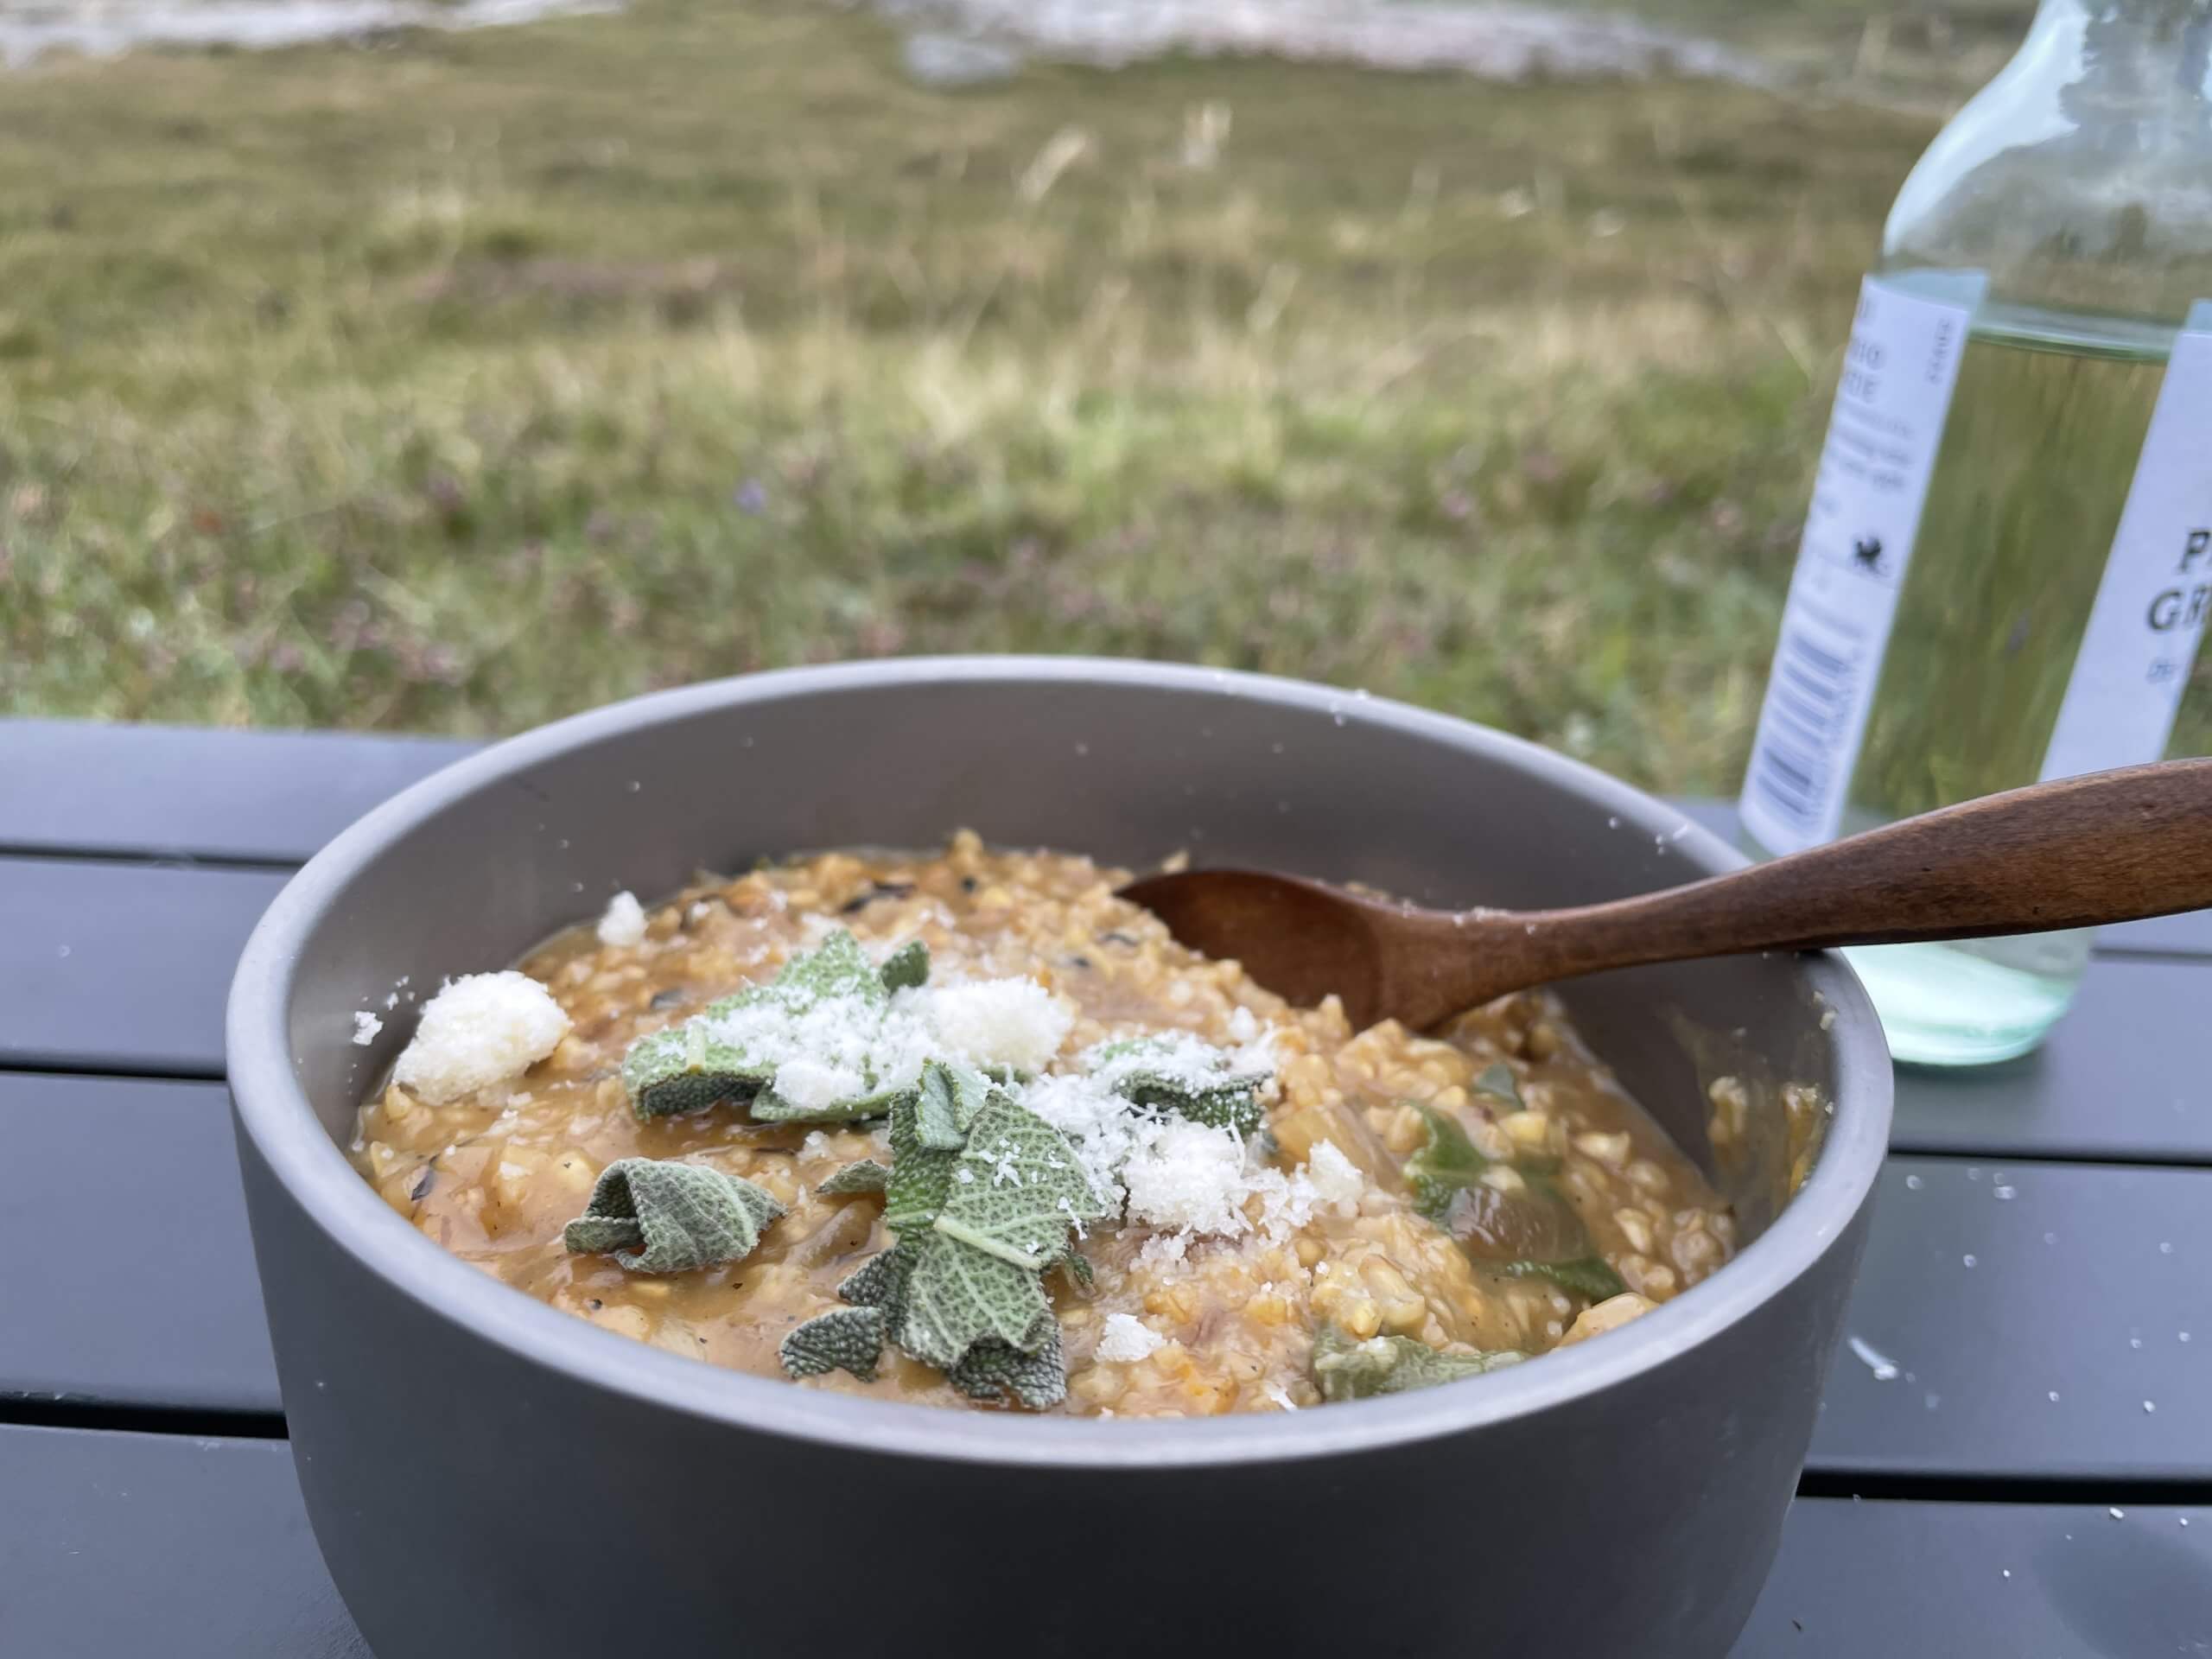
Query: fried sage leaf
{"x": 865, "y": 1176}
{"x": 1346, "y": 1369}
{"x": 992, "y": 1370}
{"x": 844, "y": 1339}
{"x": 657, "y": 1217}
{"x": 1590, "y": 1277}
{"x": 733, "y": 1049}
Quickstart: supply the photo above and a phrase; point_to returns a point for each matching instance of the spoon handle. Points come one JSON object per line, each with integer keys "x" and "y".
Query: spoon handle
{"x": 2107, "y": 847}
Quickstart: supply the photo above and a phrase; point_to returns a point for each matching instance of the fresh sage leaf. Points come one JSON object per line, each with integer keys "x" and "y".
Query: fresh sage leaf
{"x": 1346, "y": 1369}
{"x": 696, "y": 1063}
{"x": 1444, "y": 1165}
{"x": 1015, "y": 1191}
{"x": 907, "y": 968}
{"x": 865, "y": 1176}
{"x": 844, "y": 1339}
{"x": 1589, "y": 1277}
{"x": 992, "y": 1370}
{"x": 836, "y": 967}
{"x": 957, "y": 1296}
{"x": 950, "y": 1098}
{"x": 881, "y": 1282}
{"x": 921, "y": 1175}
{"x": 660, "y": 1217}
{"x": 1075, "y": 1265}
{"x": 769, "y": 1107}
{"x": 1193, "y": 1080}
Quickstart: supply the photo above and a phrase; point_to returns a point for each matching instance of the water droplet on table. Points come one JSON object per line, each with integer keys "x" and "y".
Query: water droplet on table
{"x": 1968, "y": 1260}
{"x": 2005, "y": 1193}
{"x": 1912, "y": 1183}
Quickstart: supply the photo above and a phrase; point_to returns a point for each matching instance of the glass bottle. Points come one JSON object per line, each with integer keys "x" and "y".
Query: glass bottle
{"x": 2008, "y": 555}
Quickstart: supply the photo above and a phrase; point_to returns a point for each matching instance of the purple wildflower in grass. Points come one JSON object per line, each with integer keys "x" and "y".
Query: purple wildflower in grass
{"x": 752, "y": 497}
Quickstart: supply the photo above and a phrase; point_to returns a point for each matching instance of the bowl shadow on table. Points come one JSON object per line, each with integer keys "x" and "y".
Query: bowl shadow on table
{"x": 2122, "y": 1592}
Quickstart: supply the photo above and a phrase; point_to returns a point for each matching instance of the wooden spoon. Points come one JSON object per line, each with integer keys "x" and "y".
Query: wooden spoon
{"x": 2109, "y": 847}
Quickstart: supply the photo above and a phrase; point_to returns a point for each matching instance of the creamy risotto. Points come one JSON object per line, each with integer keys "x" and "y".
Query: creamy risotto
{"x": 967, "y": 1130}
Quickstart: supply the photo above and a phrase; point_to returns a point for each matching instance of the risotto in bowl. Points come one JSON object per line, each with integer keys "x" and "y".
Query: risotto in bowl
{"x": 882, "y": 1160}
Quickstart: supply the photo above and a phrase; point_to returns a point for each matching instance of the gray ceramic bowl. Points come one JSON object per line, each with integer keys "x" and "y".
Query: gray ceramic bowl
{"x": 489, "y": 1477}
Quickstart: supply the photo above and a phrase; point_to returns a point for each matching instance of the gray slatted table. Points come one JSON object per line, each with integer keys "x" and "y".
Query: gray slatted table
{"x": 2035, "y": 1479}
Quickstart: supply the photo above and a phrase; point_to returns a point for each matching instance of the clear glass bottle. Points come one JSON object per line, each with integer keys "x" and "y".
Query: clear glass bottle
{"x": 1998, "y": 582}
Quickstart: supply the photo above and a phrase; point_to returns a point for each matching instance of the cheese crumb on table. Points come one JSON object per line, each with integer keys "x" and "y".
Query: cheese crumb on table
{"x": 1126, "y": 1339}
{"x": 478, "y": 1030}
{"x": 365, "y": 1026}
{"x": 625, "y": 921}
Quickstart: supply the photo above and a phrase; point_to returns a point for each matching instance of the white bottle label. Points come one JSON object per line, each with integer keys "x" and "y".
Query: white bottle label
{"x": 2149, "y": 614}
{"x": 1898, "y": 374}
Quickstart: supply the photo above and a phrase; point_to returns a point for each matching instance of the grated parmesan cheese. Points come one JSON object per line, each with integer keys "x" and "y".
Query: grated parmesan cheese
{"x": 625, "y": 921}
{"x": 811, "y": 1085}
{"x": 478, "y": 1030}
{"x": 1014, "y": 1022}
{"x": 1335, "y": 1179}
{"x": 1187, "y": 1178}
{"x": 365, "y": 1026}
{"x": 1128, "y": 1339}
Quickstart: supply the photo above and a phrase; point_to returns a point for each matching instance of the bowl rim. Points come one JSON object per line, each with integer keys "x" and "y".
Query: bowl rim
{"x": 274, "y": 1116}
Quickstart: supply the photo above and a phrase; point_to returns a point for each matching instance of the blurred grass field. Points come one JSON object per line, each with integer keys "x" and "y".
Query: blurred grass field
{"x": 452, "y": 382}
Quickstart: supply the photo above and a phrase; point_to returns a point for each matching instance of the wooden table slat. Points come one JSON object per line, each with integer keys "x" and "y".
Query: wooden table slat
{"x": 2119, "y": 1080}
{"x": 125, "y": 1545}
{"x": 1914, "y": 1579}
{"x": 108, "y": 967}
{"x": 2086, "y": 1283}
{"x": 199, "y": 1549}
{"x": 144, "y": 1294}
{"x": 79, "y": 786}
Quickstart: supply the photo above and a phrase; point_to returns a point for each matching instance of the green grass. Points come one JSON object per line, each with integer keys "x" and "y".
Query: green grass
{"x": 456, "y": 382}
